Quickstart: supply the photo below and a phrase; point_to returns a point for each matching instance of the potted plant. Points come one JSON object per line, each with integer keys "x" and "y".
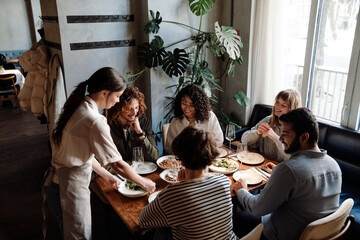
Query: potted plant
{"x": 189, "y": 64}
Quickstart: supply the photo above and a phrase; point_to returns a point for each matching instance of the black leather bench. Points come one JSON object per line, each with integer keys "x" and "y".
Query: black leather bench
{"x": 343, "y": 145}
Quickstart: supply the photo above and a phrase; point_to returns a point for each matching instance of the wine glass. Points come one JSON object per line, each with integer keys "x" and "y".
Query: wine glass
{"x": 230, "y": 135}
{"x": 137, "y": 157}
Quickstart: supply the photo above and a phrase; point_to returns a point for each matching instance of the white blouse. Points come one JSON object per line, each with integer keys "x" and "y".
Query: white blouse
{"x": 177, "y": 125}
{"x": 86, "y": 134}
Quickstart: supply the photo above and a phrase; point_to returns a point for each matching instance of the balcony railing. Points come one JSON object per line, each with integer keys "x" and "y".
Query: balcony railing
{"x": 327, "y": 90}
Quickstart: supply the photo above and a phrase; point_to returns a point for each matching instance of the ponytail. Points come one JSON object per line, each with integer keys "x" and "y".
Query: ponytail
{"x": 103, "y": 79}
{"x": 73, "y": 102}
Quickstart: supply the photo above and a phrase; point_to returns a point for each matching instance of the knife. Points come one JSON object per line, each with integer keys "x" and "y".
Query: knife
{"x": 266, "y": 178}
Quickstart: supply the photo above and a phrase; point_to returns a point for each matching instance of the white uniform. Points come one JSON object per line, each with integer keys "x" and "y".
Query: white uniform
{"x": 212, "y": 126}
{"x": 86, "y": 134}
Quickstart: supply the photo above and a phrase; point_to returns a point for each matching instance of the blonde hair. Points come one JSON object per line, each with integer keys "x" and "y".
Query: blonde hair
{"x": 292, "y": 98}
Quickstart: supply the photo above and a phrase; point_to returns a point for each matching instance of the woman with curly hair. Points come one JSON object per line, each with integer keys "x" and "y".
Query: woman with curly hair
{"x": 192, "y": 108}
{"x": 130, "y": 127}
{"x": 265, "y": 135}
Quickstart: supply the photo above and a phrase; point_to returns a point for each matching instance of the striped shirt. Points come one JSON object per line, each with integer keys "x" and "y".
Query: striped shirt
{"x": 195, "y": 209}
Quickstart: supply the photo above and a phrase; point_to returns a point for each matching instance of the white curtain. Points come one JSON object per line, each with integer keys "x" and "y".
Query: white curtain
{"x": 268, "y": 50}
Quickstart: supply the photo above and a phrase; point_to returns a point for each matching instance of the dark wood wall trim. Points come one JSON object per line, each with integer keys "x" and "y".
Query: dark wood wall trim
{"x": 52, "y": 44}
{"x": 50, "y": 19}
{"x": 103, "y": 44}
{"x": 100, "y": 18}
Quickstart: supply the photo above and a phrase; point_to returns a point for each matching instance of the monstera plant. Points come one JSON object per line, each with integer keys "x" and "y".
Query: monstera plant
{"x": 189, "y": 64}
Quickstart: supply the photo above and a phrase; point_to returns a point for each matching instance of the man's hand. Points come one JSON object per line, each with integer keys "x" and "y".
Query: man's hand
{"x": 241, "y": 183}
{"x": 270, "y": 167}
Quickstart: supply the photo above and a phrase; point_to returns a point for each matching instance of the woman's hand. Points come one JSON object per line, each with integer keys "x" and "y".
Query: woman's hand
{"x": 113, "y": 181}
{"x": 267, "y": 131}
{"x": 270, "y": 167}
{"x": 148, "y": 185}
{"x": 241, "y": 183}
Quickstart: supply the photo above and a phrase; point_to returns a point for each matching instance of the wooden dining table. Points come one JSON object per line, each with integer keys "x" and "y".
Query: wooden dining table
{"x": 129, "y": 209}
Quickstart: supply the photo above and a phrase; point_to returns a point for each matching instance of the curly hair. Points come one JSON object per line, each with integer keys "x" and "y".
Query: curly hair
{"x": 129, "y": 94}
{"x": 195, "y": 148}
{"x": 198, "y": 98}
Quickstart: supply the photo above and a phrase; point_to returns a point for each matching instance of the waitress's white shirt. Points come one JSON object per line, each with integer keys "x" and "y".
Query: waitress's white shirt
{"x": 86, "y": 134}
{"x": 177, "y": 125}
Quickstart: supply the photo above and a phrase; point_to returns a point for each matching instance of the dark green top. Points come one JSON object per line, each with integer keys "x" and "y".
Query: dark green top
{"x": 150, "y": 150}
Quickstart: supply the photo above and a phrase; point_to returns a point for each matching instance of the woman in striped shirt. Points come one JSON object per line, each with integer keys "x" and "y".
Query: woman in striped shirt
{"x": 199, "y": 206}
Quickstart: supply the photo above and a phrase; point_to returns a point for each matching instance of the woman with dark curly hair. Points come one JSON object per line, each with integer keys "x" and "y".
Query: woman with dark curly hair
{"x": 129, "y": 126}
{"x": 200, "y": 205}
{"x": 192, "y": 108}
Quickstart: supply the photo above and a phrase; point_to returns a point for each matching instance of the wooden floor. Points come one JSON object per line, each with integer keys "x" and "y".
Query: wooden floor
{"x": 24, "y": 157}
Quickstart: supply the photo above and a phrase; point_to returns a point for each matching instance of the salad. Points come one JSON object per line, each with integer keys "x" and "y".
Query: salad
{"x": 172, "y": 179}
{"x": 170, "y": 162}
{"x": 226, "y": 164}
{"x": 133, "y": 186}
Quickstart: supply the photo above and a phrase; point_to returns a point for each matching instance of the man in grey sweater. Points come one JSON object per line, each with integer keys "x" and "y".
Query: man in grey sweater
{"x": 300, "y": 190}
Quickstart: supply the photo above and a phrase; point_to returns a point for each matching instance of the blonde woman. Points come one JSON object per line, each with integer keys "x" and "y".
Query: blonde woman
{"x": 265, "y": 134}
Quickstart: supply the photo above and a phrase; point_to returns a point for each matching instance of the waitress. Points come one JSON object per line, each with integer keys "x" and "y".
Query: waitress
{"x": 80, "y": 134}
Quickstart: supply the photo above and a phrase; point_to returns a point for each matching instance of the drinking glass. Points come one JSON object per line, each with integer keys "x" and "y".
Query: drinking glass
{"x": 241, "y": 150}
{"x": 137, "y": 157}
{"x": 230, "y": 135}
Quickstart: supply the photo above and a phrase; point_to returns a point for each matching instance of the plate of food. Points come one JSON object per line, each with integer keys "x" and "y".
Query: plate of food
{"x": 250, "y": 158}
{"x": 131, "y": 189}
{"x": 224, "y": 165}
{"x": 168, "y": 177}
{"x": 250, "y": 176}
{"x": 145, "y": 168}
{"x": 167, "y": 161}
{"x": 153, "y": 196}
{"x": 222, "y": 152}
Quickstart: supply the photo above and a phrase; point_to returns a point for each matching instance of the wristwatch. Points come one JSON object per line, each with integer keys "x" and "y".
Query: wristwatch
{"x": 140, "y": 134}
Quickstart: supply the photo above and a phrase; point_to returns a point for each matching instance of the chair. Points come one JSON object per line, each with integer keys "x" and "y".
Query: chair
{"x": 164, "y": 131}
{"x": 331, "y": 226}
{"x": 8, "y": 87}
{"x": 255, "y": 234}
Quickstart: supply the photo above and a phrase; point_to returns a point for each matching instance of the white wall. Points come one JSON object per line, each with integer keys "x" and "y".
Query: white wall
{"x": 80, "y": 64}
{"x": 14, "y": 25}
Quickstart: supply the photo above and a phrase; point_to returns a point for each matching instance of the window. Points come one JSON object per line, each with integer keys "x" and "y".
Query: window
{"x": 322, "y": 57}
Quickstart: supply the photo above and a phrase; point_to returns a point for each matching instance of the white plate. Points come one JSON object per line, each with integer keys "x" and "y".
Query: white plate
{"x": 251, "y": 177}
{"x": 222, "y": 152}
{"x": 145, "y": 168}
{"x": 163, "y": 175}
{"x": 162, "y": 159}
{"x": 130, "y": 193}
{"x": 222, "y": 169}
{"x": 153, "y": 196}
{"x": 251, "y": 158}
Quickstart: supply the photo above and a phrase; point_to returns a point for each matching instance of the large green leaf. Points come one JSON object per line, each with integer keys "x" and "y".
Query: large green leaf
{"x": 174, "y": 64}
{"x": 153, "y": 25}
{"x": 241, "y": 98}
{"x": 230, "y": 39}
{"x": 201, "y": 7}
{"x": 216, "y": 47}
{"x": 231, "y": 70}
{"x": 151, "y": 55}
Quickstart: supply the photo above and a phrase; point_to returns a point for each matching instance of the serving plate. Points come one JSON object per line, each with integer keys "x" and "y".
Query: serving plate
{"x": 153, "y": 196}
{"x": 251, "y": 177}
{"x": 165, "y": 173}
{"x": 145, "y": 168}
{"x": 215, "y": 166}
{"x": 168, "y": 158}
{"x": 250, "y": 158}
{"x": 129, "y": 192}
{"x": 222, "y": 152}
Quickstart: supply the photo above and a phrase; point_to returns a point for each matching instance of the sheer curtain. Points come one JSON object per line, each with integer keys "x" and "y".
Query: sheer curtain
{"x": 267, "y": 52}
